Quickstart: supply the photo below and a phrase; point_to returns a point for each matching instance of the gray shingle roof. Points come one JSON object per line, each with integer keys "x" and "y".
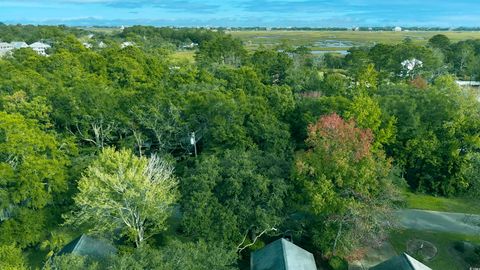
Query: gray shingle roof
{"x": 85, "y": 245}
{"x": 282, "y": 255}
{"x": 401, "y": 262}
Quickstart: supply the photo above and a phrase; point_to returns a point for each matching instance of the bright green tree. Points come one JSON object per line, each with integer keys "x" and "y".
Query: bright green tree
{"x": 11, "y": 258}
{"x": 179, "y": 255}
{"x": 33, "y": 169}
{"x": 122, "y": 191}
{"x": 228, "y": 195}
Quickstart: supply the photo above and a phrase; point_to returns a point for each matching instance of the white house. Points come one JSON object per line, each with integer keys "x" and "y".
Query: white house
{"x": 5, "y": 48}
{"x": 40, "y": 48}
{"x": 19, "y": 44}
{"x": 397, "y": 29}
{"x": 102, "y": 45}
{"x": 468, "y": 83}
{"x": 127, "y": 44}
{"x": 190, "y": 46}
{"x": 87, "y": 45}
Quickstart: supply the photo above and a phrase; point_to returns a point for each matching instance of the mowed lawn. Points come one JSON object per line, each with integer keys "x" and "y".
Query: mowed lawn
{"x": 253, "y": 39}
{"x": 447, "y": 258}
{"x": 442, "y": 204}
{"x": 183, "y": 56}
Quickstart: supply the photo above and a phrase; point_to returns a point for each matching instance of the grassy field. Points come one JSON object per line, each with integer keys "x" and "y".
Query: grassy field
{"x": 447, "y": 257}
{"x": 428, "y": 202}
{"x": 253, "y": 39}
{"x": 182, "y": 56}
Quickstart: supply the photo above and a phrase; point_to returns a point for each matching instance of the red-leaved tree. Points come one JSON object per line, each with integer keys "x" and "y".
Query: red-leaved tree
{"x": 348, "y": 186}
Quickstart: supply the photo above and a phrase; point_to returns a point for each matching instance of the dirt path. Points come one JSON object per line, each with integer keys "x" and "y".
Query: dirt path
{"x": 439, "y": 221}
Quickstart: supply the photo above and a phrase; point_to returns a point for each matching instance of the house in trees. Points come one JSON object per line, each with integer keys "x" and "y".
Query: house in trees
{"x": 5, "y": 48}
{"x": 470, "y": 85}
{"x": 282, "y": 255}
{"x": 127, "y": 44}
{"x": 401, "y": 262}
{"x": 14, "y": 45}
{"x": 19, "y": 44}
{"x": 475, "y": 84}
{"x": 40, "y": 48}
{"x": 87, "y": 45}
{"x": 88, "y": 246}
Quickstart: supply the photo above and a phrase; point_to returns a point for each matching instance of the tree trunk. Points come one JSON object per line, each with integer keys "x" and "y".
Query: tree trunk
{"x": 337, "y": 237}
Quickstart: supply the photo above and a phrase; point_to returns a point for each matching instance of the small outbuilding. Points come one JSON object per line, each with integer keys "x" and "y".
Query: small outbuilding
{"x": 401, "y": 262}
{"x": 88, "y": 246}
{"x": 282, "y": 255}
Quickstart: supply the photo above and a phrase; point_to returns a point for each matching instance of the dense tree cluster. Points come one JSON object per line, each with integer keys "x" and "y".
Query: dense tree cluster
{"x": 192, "y": 165}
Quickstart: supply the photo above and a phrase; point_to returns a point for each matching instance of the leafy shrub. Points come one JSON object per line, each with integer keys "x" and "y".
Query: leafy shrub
{"x": 338, "y": 263}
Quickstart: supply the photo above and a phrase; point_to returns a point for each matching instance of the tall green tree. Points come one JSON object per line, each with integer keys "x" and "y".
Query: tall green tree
{"x": 228, "y": 195}
{"x": 122, "y": 191}
{"x": 179, "y": 255}
{"x": 437, "y": 129}
{"x": 33, "y": 169}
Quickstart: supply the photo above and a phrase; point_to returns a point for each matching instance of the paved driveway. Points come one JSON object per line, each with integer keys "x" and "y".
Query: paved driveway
{"x": 439, "y": 221}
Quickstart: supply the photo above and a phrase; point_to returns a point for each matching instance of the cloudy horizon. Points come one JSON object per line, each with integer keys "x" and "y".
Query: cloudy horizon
{"x": 243, "y": 13}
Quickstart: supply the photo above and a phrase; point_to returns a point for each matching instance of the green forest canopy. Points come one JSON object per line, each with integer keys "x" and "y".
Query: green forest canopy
{"x": 284, "y": 142}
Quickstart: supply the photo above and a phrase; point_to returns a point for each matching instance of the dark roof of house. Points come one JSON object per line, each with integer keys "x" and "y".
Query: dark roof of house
{"x": 401, "y": 262}
{"x": 282, "y": 255}
{"x": 86, "y": 245}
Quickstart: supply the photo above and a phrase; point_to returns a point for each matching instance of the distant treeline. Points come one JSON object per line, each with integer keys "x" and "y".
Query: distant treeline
{"x": 32, "y": 33}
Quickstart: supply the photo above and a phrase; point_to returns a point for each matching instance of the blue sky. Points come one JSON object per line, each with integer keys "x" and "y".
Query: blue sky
{"x": 312, "y": 13}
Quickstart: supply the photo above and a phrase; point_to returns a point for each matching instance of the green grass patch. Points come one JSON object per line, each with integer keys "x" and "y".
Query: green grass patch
{"x": 446, "y": 258}
{"x": 429, "y": 202}
{"x": 184, "y": 56}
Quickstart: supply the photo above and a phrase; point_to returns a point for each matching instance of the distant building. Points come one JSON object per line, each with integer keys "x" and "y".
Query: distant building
{"x": 9, "y": 47}
{"x": 87, "y": 45}
{"x": 127, "y": 44}
{"x": 401, "y": 262}
{"x": 468, "y": 83}
{"x": 282, "y": 255}
{"x": 19, "y": 44}
{"x": 102, "y": 45}
{"x": 5, "y": 48}
{"x": 397, "y": 29}
{"x": 190, "y": 46}
{"x": 40, "y": 48}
